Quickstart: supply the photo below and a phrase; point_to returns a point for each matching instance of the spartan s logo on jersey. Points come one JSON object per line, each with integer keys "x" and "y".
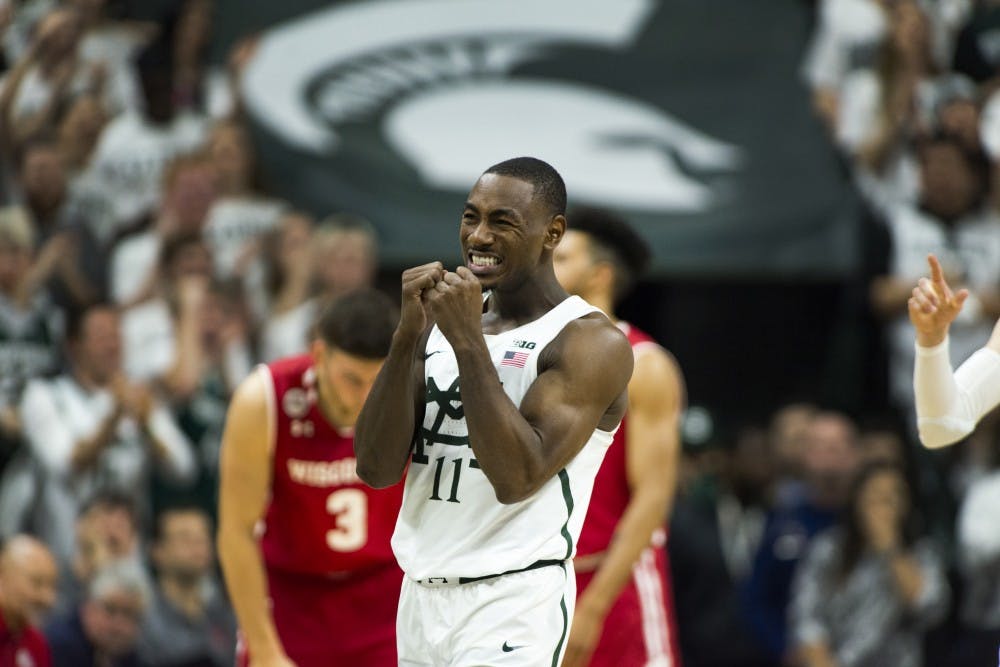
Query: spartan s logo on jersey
{"x": 435, "y": 73}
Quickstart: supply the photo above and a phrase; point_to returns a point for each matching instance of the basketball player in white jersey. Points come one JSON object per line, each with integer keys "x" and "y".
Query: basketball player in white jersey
{"x": 949, "y": 405}
{"x": 502, "y": 394}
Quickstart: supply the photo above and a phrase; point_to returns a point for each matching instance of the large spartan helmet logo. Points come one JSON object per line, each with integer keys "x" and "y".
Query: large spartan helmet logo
{"x": 446, "y": 67}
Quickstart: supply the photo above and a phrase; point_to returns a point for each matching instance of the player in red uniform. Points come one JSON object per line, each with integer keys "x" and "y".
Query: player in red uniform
{"x": 304, "y": 544}
{"x": 624, "y": 609}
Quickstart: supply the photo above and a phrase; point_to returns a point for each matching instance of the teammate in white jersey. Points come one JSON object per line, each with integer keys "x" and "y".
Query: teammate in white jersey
{"x": 949, "y": 405}
{"x": 503, "y": 407}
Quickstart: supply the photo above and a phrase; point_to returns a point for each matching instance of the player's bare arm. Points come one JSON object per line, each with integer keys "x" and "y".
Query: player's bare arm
{"x": 581, "y": 386}
{"x": 933, "y": 306}
{"x": 655, "y": 403}
{"x": 244, "y": 487}
{"x": 384, "y": 432}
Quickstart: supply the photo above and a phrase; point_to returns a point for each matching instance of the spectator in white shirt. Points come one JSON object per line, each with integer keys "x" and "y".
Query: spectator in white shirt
{"x": 243, "y": 214}
{"x": 91, "y": 429}
{"x": 136, "y": 147}
{"x": 189, "y": 190}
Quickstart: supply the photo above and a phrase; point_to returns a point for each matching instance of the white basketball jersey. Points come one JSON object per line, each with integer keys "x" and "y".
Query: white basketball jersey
{"x": 451, "y": 523}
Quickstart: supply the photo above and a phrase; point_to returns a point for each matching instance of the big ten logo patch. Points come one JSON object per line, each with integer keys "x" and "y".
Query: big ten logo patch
{"x": 524, "y": 344}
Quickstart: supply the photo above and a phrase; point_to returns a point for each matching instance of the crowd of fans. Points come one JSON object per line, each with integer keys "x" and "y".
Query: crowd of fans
{"x": 144, "y": 270}
{"x": 816, "y": 540}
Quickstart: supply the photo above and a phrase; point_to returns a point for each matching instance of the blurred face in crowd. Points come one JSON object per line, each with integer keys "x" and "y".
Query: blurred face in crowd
{"x": 830, "y": 456}
{"x": 184, "y": 549}
{"x": 294, "y": 240}
{"x": 345, "y": 261}
{"x": 884, "y": 493}
{"x": 104, "y": 534}
{"x": 190, "y": 193}
{"x": 113, "y": 620}
{"x": 232, "y": 157}
{"x": 344, "y": 382}
{"x": 28, "y": 575}
{"x": 97, "y": 354}
{"x": 43, "y": 177}
{"x": 950, "y": 186}
{"x": 787, "y": 433}
{"x": 576, "y": 267}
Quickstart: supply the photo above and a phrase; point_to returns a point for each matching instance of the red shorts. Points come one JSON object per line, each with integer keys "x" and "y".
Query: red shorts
{"x": 639, "y": 630}
{"x": 326, "y": 621}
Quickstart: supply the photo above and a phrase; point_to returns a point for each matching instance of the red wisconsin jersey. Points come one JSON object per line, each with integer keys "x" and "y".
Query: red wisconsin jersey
{"x": 611, "y": 492}
{"x": 321, "y": 517}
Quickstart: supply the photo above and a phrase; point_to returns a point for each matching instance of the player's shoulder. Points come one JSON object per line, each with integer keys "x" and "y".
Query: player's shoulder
{"x": 595, "y": 338}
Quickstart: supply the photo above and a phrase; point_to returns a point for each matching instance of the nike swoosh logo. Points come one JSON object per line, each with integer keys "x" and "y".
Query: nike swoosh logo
{"x": 507, "y": 649}
{"x": 431, "y": 354}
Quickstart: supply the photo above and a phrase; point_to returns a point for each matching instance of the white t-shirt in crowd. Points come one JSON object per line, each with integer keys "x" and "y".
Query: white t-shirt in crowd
{"x": 235, "y": 221}
{"x": 148, "y": 340}
{"x": 132, "y": 263}
{"x": 131, "y": 156}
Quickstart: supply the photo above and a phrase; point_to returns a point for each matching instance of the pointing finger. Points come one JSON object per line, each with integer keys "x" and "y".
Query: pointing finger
{"x": 937, "y": 275}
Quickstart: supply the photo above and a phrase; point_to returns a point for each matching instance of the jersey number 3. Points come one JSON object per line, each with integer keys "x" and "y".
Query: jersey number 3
{"x": 350, "y": 509}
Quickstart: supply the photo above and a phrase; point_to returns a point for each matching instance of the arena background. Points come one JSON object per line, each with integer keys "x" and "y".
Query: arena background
{"x": 757, "y": 284}
{"x": 760, "y": 290}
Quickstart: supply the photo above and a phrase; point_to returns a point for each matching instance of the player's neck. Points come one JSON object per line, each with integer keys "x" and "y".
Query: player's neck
{"x": 528, "y": 301}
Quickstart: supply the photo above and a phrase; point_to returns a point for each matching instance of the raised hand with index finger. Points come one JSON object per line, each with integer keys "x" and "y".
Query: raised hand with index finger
{"x": 933, "y": 306}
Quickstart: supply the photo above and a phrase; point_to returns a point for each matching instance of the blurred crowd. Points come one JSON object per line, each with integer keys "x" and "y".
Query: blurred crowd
{"x": 820, "y": 539}
{"x": 145, "y": 268}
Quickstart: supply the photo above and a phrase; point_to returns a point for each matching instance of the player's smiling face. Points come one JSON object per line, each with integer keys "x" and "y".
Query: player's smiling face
{"x": 503, "y": 230}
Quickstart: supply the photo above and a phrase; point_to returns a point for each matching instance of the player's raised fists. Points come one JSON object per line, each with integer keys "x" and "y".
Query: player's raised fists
{"x": 416, "y": 282}
{"x": 933, "y": 306}
{"x": 456, "y": 302}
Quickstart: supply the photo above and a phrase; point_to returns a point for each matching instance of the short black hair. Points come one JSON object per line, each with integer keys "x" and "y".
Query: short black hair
{"x": 628, "y": 253}
{"x": 360, "y": 323}
{"x": 548, "y": 184}
{"x": 76, "y": 318}
{"x": 112, "y": 499}
{"x": 159, "y": 529}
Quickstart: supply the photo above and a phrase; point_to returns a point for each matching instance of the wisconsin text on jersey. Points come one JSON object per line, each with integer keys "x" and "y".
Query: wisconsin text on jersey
{"x": 324, "y": 473}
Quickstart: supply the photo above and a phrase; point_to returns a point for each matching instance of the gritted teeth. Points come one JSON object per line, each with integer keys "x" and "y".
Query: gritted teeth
{"x": 483, "y": 260}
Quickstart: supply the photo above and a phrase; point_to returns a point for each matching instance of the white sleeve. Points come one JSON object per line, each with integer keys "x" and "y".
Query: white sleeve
{"x": 950, "y": 405}
{"x": 49, "y": 438}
